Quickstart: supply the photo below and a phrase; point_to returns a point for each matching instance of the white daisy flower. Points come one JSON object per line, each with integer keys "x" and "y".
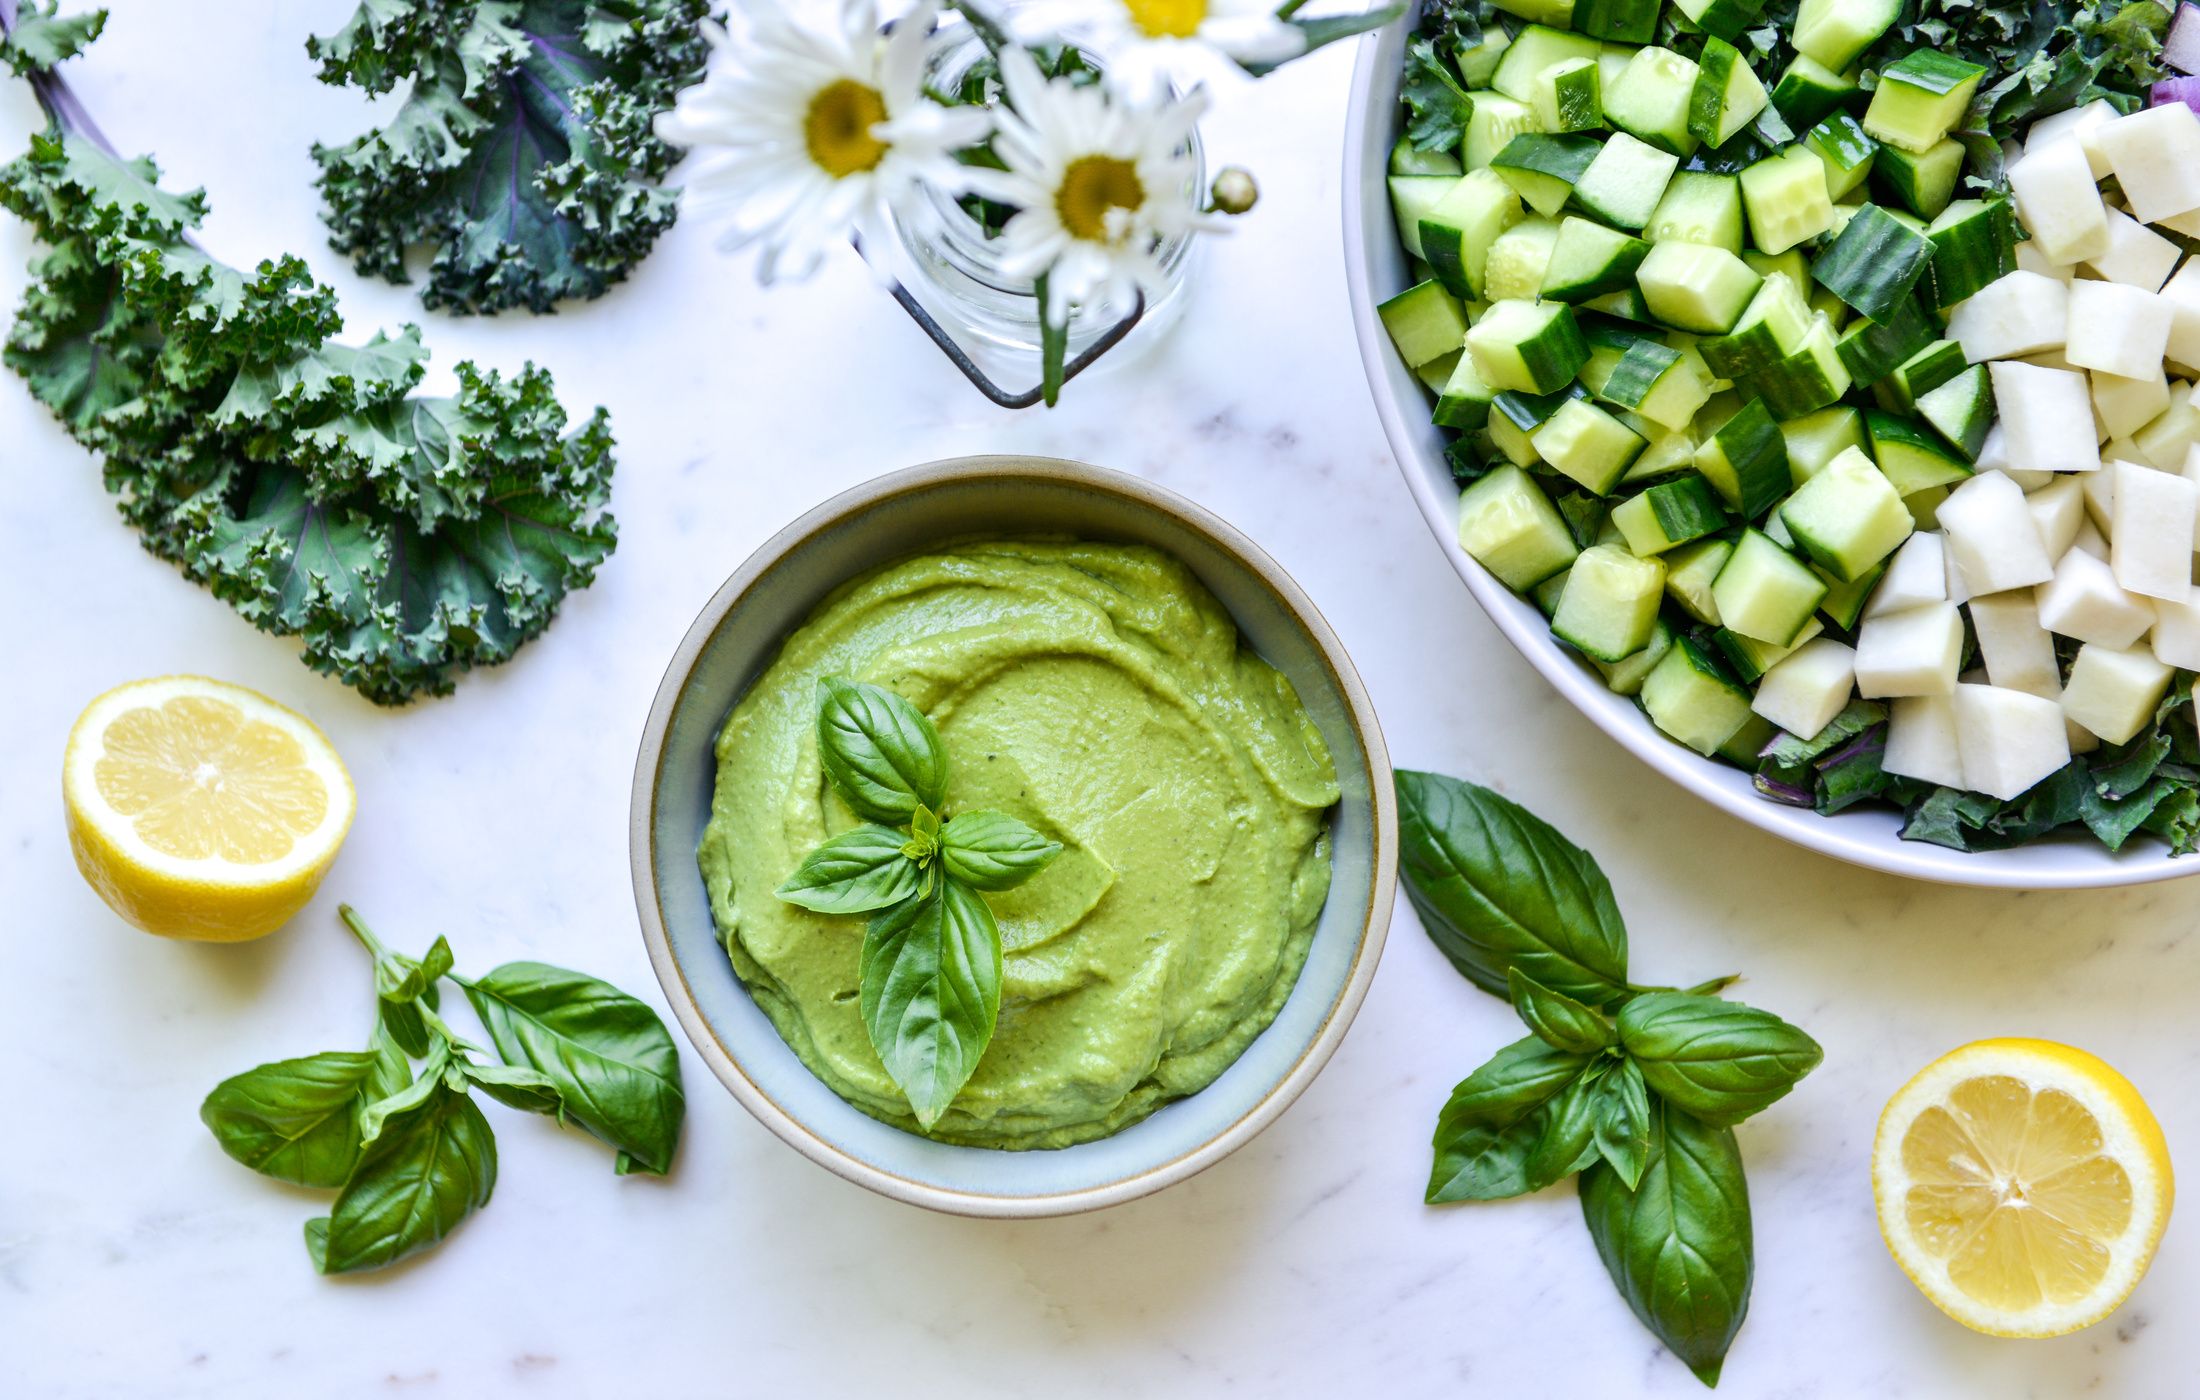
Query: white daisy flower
{"x": 1099, "y": 184}
{"x": 810, "y": 131}
{"x": 1149, "y": 44}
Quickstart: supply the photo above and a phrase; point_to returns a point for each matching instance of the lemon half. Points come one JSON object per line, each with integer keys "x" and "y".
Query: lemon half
{"x": 199, "y": 809}
{"x": 2022, "y": 1185}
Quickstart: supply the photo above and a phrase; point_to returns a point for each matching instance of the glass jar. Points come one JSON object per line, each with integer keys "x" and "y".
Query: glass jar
{"x": 947, "y": 261}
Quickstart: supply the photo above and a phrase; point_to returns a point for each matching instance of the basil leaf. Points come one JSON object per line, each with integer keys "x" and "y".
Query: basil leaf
{"x": 931, "y": 993}
{"x": 295, "y": 1120}
{"x": 1496, "y": 1120}
{"x": 431, "y": 1169}
{"x": 880, "y": 751}
{"x": 377, "y": 1113}
{"x": 994, "y": 851}
{"x": 1565, "y": 1140}
{"x": 528, "y": 1090}
{"x": 854, "y": 873}
{"x": 1556, "y": 1018}
{"x": 1623, "y": 1122}
{"x": 1678, "y": 1246}
{"x": 402, "y": 986}
{"x": 607, "y": 1055}
{"x": 1496, "y": 887}
{"x": 1718, "y": 1060}
{"x": 392, "y": 1071}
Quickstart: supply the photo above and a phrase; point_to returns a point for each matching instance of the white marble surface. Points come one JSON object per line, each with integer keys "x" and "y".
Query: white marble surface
{"x": 136, "y": 1260}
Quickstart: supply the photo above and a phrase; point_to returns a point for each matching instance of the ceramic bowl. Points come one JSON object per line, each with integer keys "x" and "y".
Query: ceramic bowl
{"x": 739, "y": 632}
{"x": 1375, "y": 268}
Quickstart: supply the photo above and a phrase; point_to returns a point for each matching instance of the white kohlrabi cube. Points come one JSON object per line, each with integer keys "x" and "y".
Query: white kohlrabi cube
{"x": 2155, "y": 155}
{"x": 2046, "y": 417}
{"x": 1990, "y": 534}
{"x": 2019, "y": 653}
{"x": 2031, "y": 259}
{"x": 2137, "y": 256}
{"x": 2058, "y": 509}
{"x": 2116, "y": 329}
{"x": 2182, "y": 292}
{"x": 2176, "y": 634}
{"x": 1951, "y": 577}
{"x": 2083, "y": 601}
{"x": 1909, "y": 653}
{"x": 2018, "y": 313}
{"x": 1805, "y": 689}
{"x": 2089, "y": 540}
{"x": 2124, "y": 406}
{"x": 2006, "y": 739}
{"x": 1917, "y": 574}
{"x": 1921, "y": 740}
{"x": 1993, "y": 456}
{"x": 2079, "y": 124}
{"x": 2151, "y": 540}
{"x": 2165, "y": 442}
{"x": 2099, "y": 489}
{"x": 2113, "y": 692}
{"x": 2058, "y": 202}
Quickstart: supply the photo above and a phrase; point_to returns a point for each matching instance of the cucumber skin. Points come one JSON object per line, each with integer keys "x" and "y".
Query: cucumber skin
{"x": 1874, "y": 264}
{"x": 1967, "y": 255}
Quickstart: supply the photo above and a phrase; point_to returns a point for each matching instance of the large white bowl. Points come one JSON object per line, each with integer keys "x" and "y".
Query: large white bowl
{"x": 1375, "y": 268}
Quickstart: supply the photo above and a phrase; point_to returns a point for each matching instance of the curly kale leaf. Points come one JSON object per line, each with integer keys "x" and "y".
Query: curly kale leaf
{"x": 39, "y": 38}
{"x": 401, "y": 538}
{"x": 523, "y": 152}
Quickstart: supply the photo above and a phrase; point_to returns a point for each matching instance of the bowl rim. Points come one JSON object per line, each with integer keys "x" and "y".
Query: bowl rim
{"x": 1372, "y": 96}
{"x": 1138, "y": 492}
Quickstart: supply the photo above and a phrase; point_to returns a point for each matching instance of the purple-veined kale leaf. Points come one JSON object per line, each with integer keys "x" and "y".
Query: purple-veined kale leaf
{"x": 522, "y": 153}
{"x": 402, "y": 538}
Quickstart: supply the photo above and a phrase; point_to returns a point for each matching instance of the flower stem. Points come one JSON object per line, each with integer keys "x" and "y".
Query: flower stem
{"x": 1053, "y": 341}
{"x": 988, "y": 29}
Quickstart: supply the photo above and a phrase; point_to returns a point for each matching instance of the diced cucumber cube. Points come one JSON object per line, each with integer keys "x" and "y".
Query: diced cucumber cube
{"x": 1517, "y": 260}
{"x": 1479, "y": 64}
{"x": 1662, "y": 384}
{"x": 1411, "y": 199}
{"x": 1921, "y": 182}
{"x": 1771, "y": 328}
{"x": 1807, "y": 380}
{"x": 1725, "y": 18}
{"x": 1626, "y": 676}
{"x": 1817, "y": 438}
{"x": 1930, "y": 367}
{"x": 1842, "y": 147}
{"x": 1920, "y": 98}
{"x": 1690, "y": 697}
{"x": 1698, "y": 207}
{"x": 1746, "y": 461}
{"x": 1651, "y": 99}
{"x": 1511, "y": 528}
{"x": 1844, "y": 602}
{"x": 1530, "y": 347}
{"x": 1635, "y": 21}
{"x": 1425, "y": 323}
{"x": 1727, "y": 96}
{"x": 1911, "y": 455}
{"x": 1535, "y": 49}
{"x": 1543, "y": 168}
{"x": 1875, "y": 263}
{"x": 1625, "y": 181}
{"x": 1464, "y": 401}
{"x": 1491, "y": 125}
{"x": 1790, "y": 264}
{"x": 1809, "y": 90}
{"x": 1696, "y": 287}
{"x": 1974, "y": 244}
{"x": 1610, "y": 603}
{"x": 1557, "y": 13}
{"x": 1872, "y": 351}
{"x": 1511, "y": 441}
{"x": 1961, "y": 411}
{"x": 1668, "y": 514}
{"x": 1835, "y": 33}
{"x": 1787, "y": 200}
{"x": 1749, "y": 658}
{"x": 1437, "y": 372}
{"x": 1568, "y": 97}
{"x": 1589, "y": 260}
{"x": 1457, "y": 233}
{"x": 1410, "y": 160}
{"x": 1689, "y": 572}
{"x": 1848, "y": 517}
{"x": 1587, "y": 444}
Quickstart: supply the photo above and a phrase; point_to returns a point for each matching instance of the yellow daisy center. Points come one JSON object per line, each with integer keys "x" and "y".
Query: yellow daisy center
{"x": 1167, "y": 19}
{"x": 1090, "y": 189}
{"x": 837, "y": 128}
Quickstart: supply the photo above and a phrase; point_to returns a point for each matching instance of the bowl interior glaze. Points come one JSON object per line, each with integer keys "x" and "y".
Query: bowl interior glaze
{"x": 1375, "y": 268}
{"x": 738, "y": 634}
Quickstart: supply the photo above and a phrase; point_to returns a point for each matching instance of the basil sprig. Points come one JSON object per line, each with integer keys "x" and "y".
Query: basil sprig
{"x": 412, "y": 1156}
{"x": 1634, "y": 1088}
{"x": 930, "y": 969}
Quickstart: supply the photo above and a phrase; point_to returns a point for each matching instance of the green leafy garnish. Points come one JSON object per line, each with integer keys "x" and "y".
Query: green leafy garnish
{"x": 411, "y": 1156}
{"x": 523, "y": 152}
{"x": 1634, "y": 1088}
{"x": 930, "y": 969}
{"x": 401, "y": 538}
